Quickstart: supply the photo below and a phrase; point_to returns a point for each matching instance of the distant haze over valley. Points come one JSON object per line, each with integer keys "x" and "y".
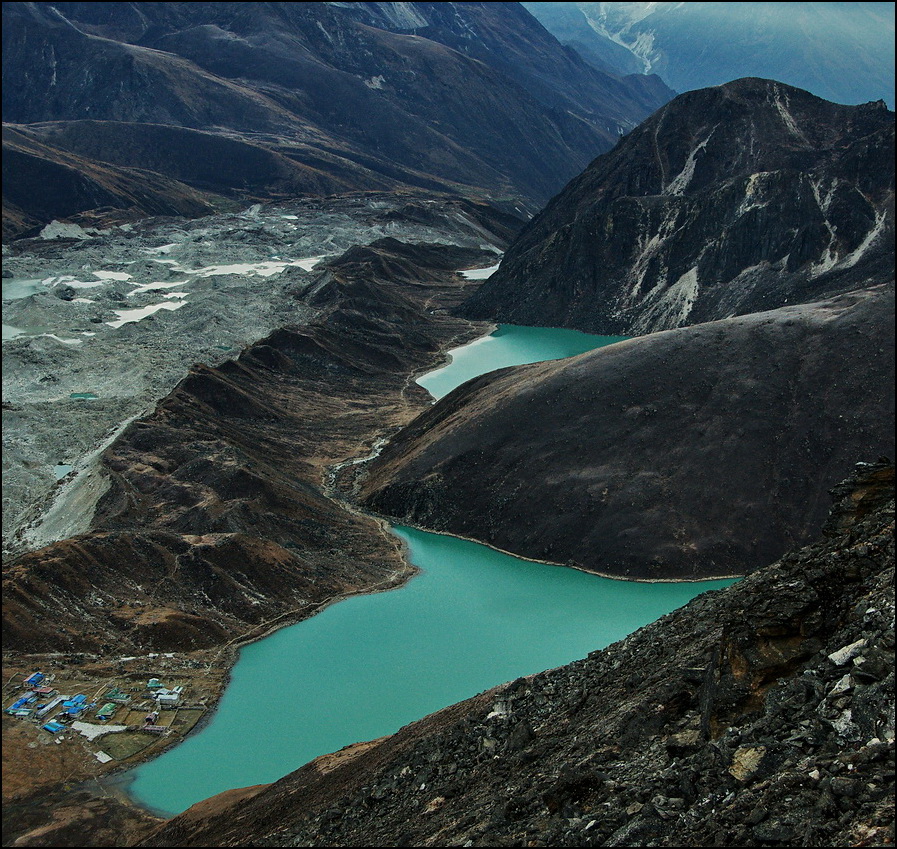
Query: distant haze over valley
{"x": 840, "y": 51}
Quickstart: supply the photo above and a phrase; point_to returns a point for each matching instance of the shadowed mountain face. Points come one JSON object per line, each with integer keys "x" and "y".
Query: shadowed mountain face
{"x": 473, "y": 97}
{"x": 732, "y": 721}
{"x": 699, "y": 452}
{"x": 728, "y": 200}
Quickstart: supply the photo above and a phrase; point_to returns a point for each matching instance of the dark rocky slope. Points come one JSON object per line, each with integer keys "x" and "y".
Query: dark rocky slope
{"x": 218, "y": 524}
{"x": 42, "y": 182}
{"x": 696, "y": 452}
{"x": 758, "y": 715}
{"x": 729, "y": 200}
{"x": 470, "y": 97}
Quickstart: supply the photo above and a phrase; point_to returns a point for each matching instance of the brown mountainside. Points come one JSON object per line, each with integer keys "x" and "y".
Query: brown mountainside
{"x": 462, "y": 97}
{"x": 217, "y": 522}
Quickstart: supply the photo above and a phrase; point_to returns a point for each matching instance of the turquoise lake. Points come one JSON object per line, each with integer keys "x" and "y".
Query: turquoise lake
{"x": 473, "y": 618}
{"x": 509, "y": 345}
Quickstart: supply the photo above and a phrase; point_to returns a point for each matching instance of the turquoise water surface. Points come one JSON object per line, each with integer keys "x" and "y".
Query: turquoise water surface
{"x": 16, "y": 288}
{"x": 370, "y": 664}
{"x": 509, "y": 345}
{"x": 364, "y": 667}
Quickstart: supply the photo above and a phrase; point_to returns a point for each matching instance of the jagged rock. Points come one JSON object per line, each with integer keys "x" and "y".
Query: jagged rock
{"x": 846, "y": 653}
{"x": 746, "y": 761}
{"x": 729, "y": 200}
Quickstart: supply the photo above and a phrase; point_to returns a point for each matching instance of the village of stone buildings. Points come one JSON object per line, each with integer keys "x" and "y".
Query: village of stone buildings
{"x": 118, "y": 718}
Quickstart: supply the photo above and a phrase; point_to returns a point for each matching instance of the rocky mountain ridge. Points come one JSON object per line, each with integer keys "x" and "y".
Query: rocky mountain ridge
{"x": 757, "y": 715}
{"x": 698, "y": 452}
{"x": 214, "y": 519}
{"x": 308, "y": 98}
{"x": 729, "y": 200}
{"x": 77, "y": 301}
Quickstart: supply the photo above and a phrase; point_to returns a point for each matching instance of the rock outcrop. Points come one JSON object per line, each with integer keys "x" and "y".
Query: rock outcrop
{"x": 757, "y": 715}
{"x": 697, "y": 452}
{"x": 728, "y": 200}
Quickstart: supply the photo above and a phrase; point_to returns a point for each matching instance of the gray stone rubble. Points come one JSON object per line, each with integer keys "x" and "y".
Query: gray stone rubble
{"x": 69, "y": 347}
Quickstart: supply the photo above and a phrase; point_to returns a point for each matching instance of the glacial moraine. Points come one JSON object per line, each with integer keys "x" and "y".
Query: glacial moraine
{"x": 473, "y": 618}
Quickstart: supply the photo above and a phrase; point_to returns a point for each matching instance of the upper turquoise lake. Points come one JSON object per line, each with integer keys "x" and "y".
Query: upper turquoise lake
{"x": 509, "y": 345}
{"x": 473, "y": 618}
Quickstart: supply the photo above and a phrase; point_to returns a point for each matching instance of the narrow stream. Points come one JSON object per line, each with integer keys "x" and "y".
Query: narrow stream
{"x": 473, "y": 618}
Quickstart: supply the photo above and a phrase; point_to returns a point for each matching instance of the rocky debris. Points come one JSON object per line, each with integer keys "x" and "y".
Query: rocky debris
{"x": 237, "y": 286}
{"x": 214, "y": 524}
{"x": 724, "y": 723}
{"x": 699, "y": 452}
{"x": 729, "y": 200}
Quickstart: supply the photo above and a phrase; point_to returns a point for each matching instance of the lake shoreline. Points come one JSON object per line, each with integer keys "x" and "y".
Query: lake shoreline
{"x": 334, "y": 490}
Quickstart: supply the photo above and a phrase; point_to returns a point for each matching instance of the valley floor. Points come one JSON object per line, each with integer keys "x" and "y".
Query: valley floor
{"x": 133, "y": 595}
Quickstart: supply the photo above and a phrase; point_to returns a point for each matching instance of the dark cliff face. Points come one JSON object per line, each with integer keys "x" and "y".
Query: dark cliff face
{"x": 697, "y": 452}
{"x": 472, "y": 97}
{"x": 758, "y": 715}
{"x": 728, "y": 200}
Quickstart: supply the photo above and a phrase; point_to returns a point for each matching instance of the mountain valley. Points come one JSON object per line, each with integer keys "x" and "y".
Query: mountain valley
{"x": 237, "y": 235}
{"x": 212, "y": 105}
{"x": 840, "y": 51}
{"x": 207, "y": 520}
{"x": 758, "y": 715}
{"x": 694, "y": 453}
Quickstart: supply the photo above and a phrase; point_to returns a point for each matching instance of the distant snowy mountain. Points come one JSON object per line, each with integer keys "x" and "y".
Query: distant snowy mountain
{"x": 840, "y": 51}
